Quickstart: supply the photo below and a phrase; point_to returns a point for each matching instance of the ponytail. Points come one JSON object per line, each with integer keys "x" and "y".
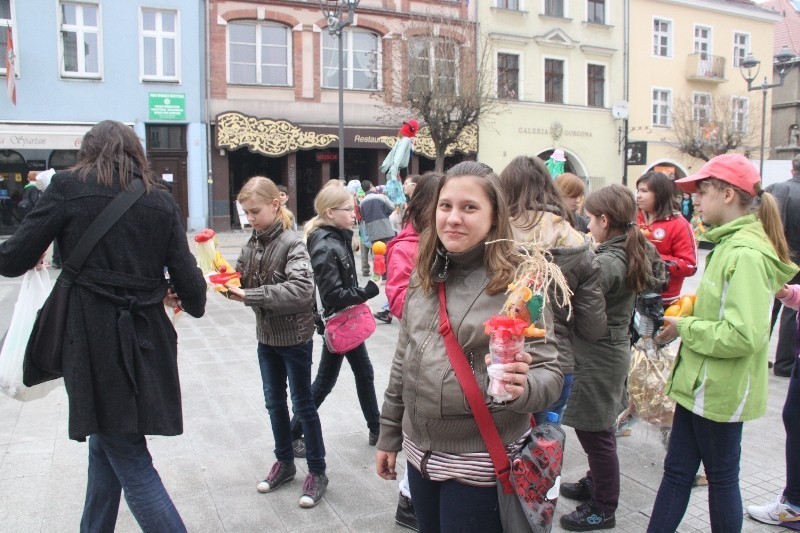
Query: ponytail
{"x": 770, "y": 217}
{"x": 638, "y": 264}
{"x": 311, "y": 225}
{"x": 286, "y": 217}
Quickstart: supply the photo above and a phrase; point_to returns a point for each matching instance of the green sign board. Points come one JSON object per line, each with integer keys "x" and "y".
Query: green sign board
{"x": 167, "y": 106}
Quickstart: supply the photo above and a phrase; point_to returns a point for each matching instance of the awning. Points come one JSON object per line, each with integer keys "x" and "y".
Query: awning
{"x": 42, "y": 136}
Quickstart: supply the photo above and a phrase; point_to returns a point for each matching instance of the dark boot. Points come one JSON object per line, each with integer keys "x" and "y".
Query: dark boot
{"x": 405, "y": 515}
{"x": 581, "y": 491}
{"x": 587, "y": 517}
{"x": 383, "y": 316}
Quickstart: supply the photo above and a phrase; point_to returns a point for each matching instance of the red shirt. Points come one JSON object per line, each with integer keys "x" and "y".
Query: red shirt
{"x": 674, "y": 239}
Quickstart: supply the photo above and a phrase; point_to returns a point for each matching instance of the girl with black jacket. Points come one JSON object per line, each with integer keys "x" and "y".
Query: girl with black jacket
{"x": 329, "y": 241}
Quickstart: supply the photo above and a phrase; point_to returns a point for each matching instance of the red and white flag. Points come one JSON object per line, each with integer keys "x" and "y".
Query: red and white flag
{"x": 10, "y": 70}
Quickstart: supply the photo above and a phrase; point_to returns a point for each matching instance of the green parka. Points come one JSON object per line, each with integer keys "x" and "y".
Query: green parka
{"x": 721, "y": 369}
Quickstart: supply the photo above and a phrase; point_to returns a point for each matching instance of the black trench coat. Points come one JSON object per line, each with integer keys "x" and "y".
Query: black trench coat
{"x": 115, "y": 303}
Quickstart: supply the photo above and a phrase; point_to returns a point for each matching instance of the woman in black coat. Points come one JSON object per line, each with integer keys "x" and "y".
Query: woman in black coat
{"x": 120, "y": 349}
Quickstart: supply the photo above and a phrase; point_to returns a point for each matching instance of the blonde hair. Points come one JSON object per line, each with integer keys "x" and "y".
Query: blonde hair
{"x": 330, "y": 196}
{"x": 265, "y": 189}
{"x": 570, "y": 185}
{"x": 766, "y": 210}
{"x": 501, "y": 259}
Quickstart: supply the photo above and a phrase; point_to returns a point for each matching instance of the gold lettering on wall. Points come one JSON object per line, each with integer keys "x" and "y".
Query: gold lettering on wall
{"x": 467, "y": 142}
{"x": 265, "y": 136}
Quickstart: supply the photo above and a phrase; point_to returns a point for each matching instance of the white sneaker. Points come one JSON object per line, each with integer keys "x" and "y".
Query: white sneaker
{"x": 774, "y": 513}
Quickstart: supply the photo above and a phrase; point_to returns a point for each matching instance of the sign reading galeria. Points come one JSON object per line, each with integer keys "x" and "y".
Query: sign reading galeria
{"x": 167, "y": 106}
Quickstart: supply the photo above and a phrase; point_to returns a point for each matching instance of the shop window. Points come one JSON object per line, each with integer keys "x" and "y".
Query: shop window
{"x": 80, "y": 40}
{"x": 159, "y": 45}
{"x": 63, "y": 159}
{"x": 165, "y": 137}
{"x": 259, "y": 53}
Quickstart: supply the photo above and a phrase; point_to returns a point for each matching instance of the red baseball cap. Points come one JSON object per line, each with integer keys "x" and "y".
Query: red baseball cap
{"x": 735, "y": 169}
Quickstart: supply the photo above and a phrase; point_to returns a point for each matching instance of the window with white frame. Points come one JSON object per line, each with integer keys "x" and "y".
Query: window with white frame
{"x": 741, "y": 47}
{"x": 596, "y": 85}
{"x": 596, "y": 11}
{"x": 159, "y": 45}
{"x": 361, "y": 51}
{"x": 554, "y": 81}
{"x": 702, "y": 41}
{"x": 554, "y": 8}
{"x": 433, "y": 65}
{"x": 739, "y": 109}
{"x": 662, "y": 107}
{"x": 509, "y": 4}
{"x": 6, "y": 22}
{"x": 508, "y": 76}
{"x": 662, "y": 38}
{"x": 701, "y": 108}
{"x": 259, "y": 53}
{"x": 80, "y": 40}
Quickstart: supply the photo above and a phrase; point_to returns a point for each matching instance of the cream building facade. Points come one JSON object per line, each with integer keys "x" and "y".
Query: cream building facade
{"x": 560, "y": 67}
{"x": 684, "y": 70}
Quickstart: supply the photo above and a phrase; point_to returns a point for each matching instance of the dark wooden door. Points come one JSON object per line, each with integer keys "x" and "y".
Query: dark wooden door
{"x": 172, "y": 170}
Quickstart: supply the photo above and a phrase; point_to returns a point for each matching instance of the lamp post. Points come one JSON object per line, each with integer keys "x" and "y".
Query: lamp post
{"x": 333, "y": 11}
{"x": 749, "y": 63}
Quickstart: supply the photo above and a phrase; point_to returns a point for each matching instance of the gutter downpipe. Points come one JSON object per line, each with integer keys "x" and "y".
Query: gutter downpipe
{"x": 206, "y": 108}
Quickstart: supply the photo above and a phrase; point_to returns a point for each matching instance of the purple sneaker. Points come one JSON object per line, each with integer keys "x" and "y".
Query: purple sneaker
{"x": 313, "y": 490}
{"x": 279, "y": 474}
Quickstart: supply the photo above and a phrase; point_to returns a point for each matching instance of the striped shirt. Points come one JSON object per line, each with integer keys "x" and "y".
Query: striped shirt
{"x": 475, "y": 469}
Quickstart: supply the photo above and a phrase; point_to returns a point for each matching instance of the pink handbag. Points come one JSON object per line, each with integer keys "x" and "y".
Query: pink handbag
{"x": 348, "y": 328}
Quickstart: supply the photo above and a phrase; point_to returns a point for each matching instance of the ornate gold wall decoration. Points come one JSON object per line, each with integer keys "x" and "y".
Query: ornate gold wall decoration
{"x": 467, "y": 142}
{"x": 269, "y": 137}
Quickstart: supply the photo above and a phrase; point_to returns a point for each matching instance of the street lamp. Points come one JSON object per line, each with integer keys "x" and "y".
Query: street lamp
{"x": 750, "y": 63}
{"x": 332, "y": 10}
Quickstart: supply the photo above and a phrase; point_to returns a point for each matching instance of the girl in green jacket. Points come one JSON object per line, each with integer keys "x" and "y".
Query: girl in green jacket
{"x": 720, "y": 375}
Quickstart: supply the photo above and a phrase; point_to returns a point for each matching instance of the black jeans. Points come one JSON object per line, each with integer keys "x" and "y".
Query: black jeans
{"x": 328, "y": 372}
{"x": 719, "y": 446}
{"x": 791, "y": 421}
{"x": 601, "y": 449}
{"x": 292, "y": 364}
{"x": 453, "y": 507}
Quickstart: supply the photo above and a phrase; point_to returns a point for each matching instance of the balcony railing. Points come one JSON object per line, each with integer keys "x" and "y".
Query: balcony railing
{"x": 703, "y": 67}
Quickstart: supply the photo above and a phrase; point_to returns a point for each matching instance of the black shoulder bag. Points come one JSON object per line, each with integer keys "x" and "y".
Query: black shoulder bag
{"x": 43, "y": 354}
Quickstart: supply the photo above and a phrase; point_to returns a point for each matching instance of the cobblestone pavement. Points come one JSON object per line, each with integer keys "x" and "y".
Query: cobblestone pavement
{"x": 212, "y": 470}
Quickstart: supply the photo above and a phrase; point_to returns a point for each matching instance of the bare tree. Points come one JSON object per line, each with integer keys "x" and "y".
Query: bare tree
{"x": 440, "y": 72}
{"x": 705, "y": 127}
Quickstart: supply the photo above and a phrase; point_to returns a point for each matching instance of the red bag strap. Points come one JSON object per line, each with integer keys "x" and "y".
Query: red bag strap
{"x": 486, "y": 425}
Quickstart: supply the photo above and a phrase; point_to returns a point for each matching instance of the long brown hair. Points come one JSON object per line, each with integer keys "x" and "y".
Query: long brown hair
{"x": 265, "y": 190}
{"x": 499, "y": 259}
{"x": 766, "y": 210}
{"x": 527, "y": 186}
{"x": 619, "y": 206}
{"x": 663, "y": 190}
{"x": 423, "y": 200}
{"x": 112, "y": 147}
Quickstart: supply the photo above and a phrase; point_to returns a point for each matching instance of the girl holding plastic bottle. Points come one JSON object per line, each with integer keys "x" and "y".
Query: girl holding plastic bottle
{"x": 278, "y": 284}
{"x": 719, "y": 379}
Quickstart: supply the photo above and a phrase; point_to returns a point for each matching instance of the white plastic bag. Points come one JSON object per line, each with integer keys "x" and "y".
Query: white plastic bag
{"x": 36, "y": 287}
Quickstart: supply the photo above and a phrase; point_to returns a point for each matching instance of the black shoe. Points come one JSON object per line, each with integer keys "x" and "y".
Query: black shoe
{"x": 299, "y": 448}
{"x": 405, "y": 515}
{"x": 383, "y": 316}
{"x": 782, "y": 373}
{"x": 279, "y": 474}
{"x": 55, "y": 266}
{"x": 373, "y": 438}
{"x": 587, "y": 518}
{"x": 581, "y": 491}
{"x": 365, "y": 273}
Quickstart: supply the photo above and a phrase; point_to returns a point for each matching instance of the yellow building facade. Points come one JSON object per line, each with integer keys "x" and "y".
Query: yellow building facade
{"x": 559, "y": 67}
{"x": 685, "y": 85}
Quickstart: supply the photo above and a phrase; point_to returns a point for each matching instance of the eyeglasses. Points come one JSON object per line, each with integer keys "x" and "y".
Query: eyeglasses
{"x": 343, "y": 209}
